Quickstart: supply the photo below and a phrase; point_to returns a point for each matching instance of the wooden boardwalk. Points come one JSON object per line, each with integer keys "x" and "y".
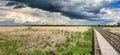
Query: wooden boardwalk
{"x": 105, "y": 47}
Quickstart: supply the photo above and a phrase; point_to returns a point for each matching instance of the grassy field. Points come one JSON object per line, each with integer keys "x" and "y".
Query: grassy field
{"x": 115, "y": 30}
{"x": 46, "y": 41}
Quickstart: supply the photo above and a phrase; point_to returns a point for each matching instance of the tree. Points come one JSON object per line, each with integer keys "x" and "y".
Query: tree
{"x": 118, "y": 24}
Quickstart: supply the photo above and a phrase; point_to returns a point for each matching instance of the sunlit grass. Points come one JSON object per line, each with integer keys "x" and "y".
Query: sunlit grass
{"x": 76, "y": 43}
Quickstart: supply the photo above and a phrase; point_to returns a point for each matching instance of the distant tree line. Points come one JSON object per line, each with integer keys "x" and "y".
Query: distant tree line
{"x": 115, "y": 25}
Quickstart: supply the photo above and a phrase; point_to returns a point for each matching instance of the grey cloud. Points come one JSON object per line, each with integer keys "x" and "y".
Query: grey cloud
{"x": 4, "y": 4}
{"x": 34, "y": 16}
{"x": 58, "y": 12}
{"x": 71, "y": 8}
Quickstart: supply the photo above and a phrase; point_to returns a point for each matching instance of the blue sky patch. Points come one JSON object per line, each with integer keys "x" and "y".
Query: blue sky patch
{"x": 116, "y": 4}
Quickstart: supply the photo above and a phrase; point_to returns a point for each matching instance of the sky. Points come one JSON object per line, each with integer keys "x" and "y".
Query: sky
{"x": 59, "y": 12}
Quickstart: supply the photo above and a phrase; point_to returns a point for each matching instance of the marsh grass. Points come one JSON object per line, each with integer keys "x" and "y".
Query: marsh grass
{"x": 57, "y": 42}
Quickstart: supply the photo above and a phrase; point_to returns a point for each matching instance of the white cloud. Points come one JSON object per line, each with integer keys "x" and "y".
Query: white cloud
{"x": 37, "y": 16}
{"x": 110, "y": 14}
{"x": 3, "y": 5}
{"x": 73, "y": 7}
{"x": 107, "y": 11}
{"x": 79, "y": 7}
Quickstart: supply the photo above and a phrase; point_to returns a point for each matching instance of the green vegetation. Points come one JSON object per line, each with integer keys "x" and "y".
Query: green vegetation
{"x": 76, "y": 43}
{"x": 118, "y": 24}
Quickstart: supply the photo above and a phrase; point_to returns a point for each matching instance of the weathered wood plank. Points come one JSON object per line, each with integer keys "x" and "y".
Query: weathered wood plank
{"x": 96, "y": 45}
{"x": 105, "y": 47}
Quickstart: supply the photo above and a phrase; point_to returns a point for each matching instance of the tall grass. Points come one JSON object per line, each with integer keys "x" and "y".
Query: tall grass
{"x": 76, "y": 43}
{"x": 81, "y": 45}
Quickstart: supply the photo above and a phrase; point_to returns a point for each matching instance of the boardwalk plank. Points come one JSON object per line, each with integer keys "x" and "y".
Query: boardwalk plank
{"x": 105, "y": 47}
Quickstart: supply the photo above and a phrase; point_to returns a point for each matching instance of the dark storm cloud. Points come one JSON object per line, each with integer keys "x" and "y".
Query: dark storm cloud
{"x": 80, "y": 9}
{"x": 18, "y": 5}
{"x": 42, "y": 4}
